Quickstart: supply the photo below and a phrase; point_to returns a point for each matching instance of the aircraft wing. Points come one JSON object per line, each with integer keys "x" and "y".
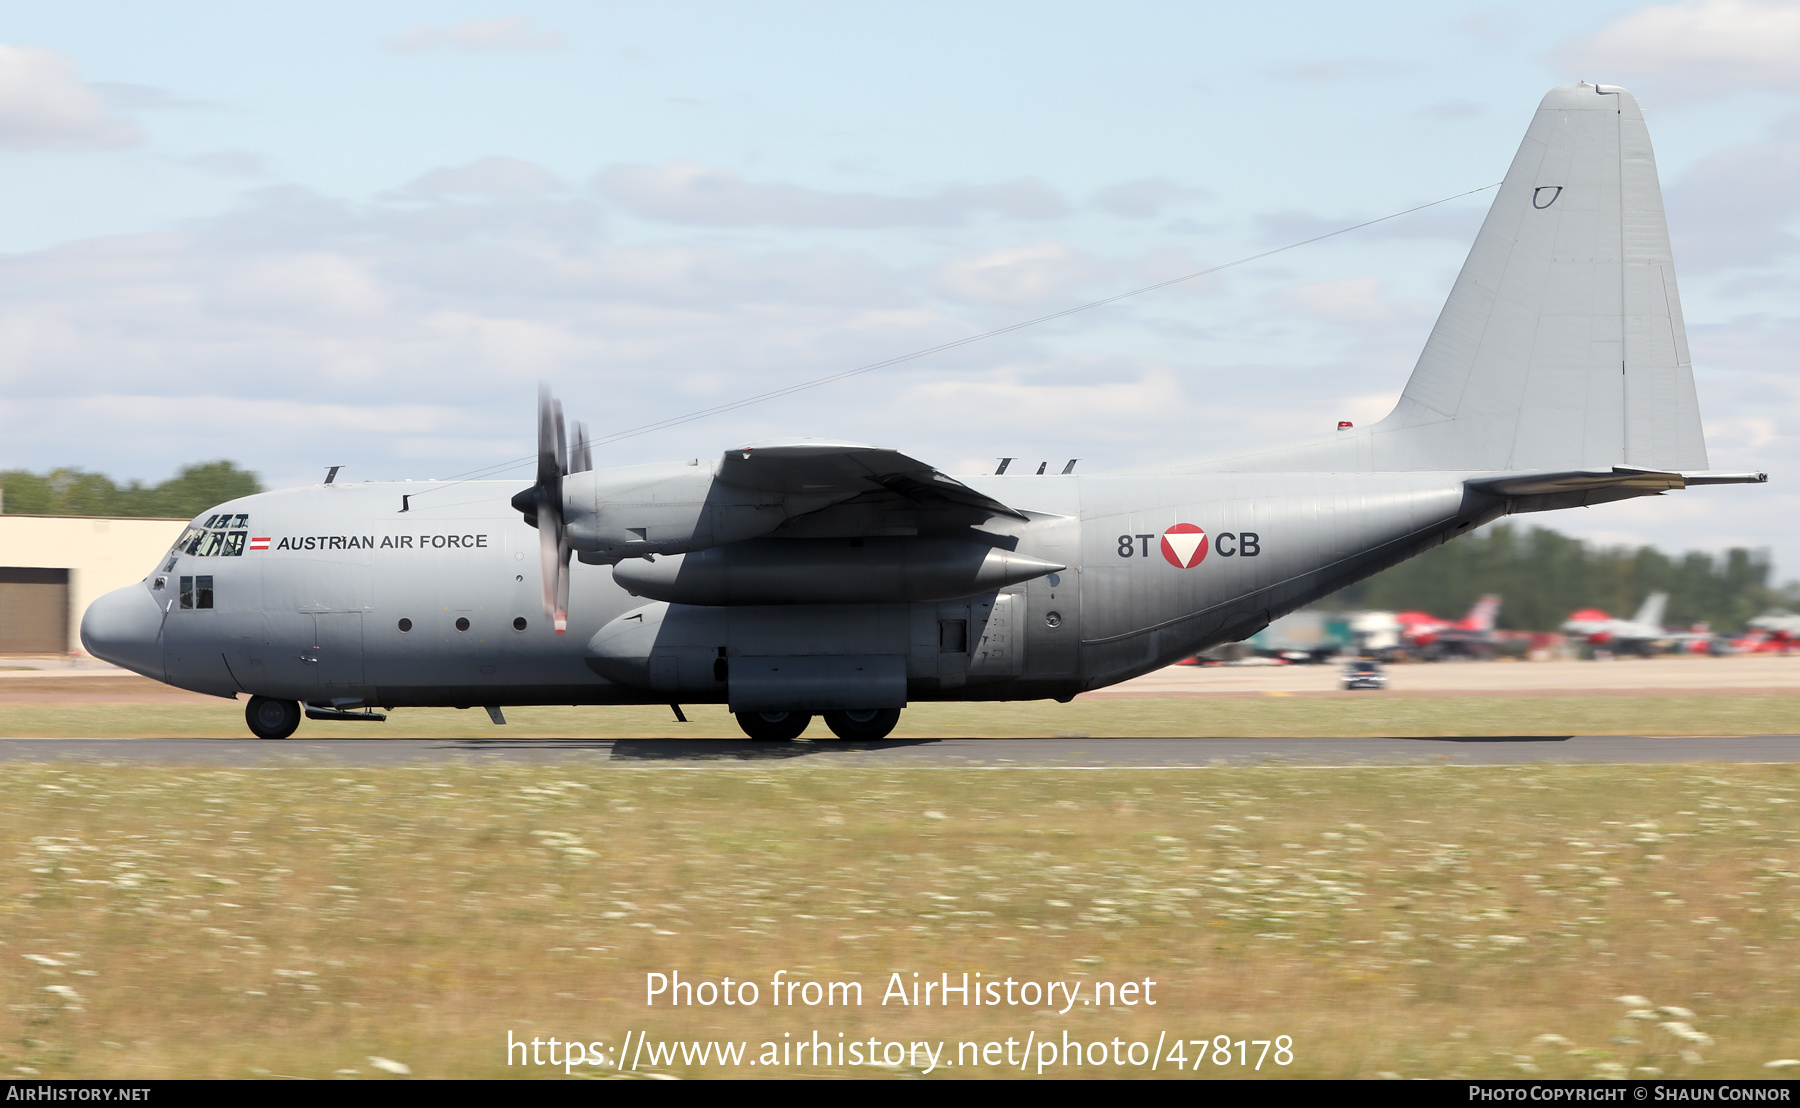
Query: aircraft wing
{"x": 840, "y": 470}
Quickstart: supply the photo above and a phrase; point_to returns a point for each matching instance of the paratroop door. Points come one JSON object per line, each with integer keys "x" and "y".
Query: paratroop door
{"x": 338, "y": 648}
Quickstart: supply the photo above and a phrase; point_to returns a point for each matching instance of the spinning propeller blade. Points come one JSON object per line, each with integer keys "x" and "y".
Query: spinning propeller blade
{"x": 541, "y": 504}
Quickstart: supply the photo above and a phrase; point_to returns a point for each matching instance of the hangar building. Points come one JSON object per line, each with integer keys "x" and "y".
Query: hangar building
{"x": 53, "y": 567}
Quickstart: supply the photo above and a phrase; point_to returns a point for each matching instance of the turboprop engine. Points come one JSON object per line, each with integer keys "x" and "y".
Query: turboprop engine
{"x": 712, "y": 525}
{"x": 831, "y": 571}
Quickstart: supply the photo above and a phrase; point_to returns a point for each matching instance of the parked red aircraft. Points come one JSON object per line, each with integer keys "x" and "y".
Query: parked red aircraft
{"x": 1422, "y": 629}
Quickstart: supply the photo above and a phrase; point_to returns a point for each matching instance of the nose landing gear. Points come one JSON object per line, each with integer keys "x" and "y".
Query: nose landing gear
{"x": 270, "y": 718}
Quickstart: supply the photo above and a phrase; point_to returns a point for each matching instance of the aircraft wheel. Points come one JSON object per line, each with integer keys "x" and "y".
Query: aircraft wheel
{"x": 270, "y": 718}
{"x": 863, "y": 723}
{"x": 777, "y": 727}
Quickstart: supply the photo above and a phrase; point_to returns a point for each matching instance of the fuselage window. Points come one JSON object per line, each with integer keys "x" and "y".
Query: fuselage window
{"x": 239, "y": 521}
{"x": 211, "y": 545}
{"x": 234, "y": 545}
{"x": 203, "y": 591}
{"x": 187, "y": 592}
{"x": 193, "y": 544}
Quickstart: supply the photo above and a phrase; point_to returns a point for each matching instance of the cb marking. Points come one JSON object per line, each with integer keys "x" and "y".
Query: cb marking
{"x": 1185, "y": 546}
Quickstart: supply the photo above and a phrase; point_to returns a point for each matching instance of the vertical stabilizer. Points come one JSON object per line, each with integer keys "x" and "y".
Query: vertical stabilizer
{"x": 1651, "y": 613}
{"x": 1562, "y": 345}
{"x": 1483, "y": 615}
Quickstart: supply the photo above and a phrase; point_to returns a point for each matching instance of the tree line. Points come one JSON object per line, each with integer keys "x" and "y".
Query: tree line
{"x": 74, "y": 492}
{"x": 1542, "y": 576}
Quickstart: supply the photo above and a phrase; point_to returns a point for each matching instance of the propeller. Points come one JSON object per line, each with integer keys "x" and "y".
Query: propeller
{"x": 541, "y": 504}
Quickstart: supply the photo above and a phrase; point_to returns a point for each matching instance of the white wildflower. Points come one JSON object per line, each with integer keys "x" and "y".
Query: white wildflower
{"x": 1550, "y": 1040}
{"x": 1676, "y": 1013}
{"x": 388, "y": 1065}
{"x": 1632, "y": 1000}
{"x": 42, "y": 959}
{"x": 63, "y": 991}
{"x": 1781, "y": 1064}
{"x": 1610, "y": 1071}
{"x": 1686, "y": 1033}
{"x": 935, "y": 814}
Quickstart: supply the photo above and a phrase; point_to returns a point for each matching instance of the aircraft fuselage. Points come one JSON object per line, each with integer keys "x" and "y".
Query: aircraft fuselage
{"x": 337, "y": 596}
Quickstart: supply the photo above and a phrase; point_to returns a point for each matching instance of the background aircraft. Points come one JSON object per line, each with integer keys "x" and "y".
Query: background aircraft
{"x": 1423, "y": 632}
{"x": 798, "y": 577}
{"x": 1639, "y": 634}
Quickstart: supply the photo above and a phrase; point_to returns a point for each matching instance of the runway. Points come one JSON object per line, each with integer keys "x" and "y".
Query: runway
{"x": 1067, "y": 753}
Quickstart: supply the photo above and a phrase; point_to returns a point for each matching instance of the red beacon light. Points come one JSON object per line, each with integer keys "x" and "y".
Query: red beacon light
{"x": 1345, "y": 425}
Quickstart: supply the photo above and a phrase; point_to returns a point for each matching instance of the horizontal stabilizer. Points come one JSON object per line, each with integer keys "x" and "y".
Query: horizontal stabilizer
{"x": 1542, "y": 492}
{"x": 1647, "y": 481}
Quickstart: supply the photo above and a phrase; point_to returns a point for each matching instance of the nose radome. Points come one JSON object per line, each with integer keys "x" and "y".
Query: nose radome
{"x": 124, "y": 627}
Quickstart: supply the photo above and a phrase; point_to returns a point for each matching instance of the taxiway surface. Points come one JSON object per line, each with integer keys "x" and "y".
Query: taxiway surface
{"x": 1069, "y": 753}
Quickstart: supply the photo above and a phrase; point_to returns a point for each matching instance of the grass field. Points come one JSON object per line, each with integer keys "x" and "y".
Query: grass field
{"x": 1411, "y": 921}
{"x": 1250, "y": 717}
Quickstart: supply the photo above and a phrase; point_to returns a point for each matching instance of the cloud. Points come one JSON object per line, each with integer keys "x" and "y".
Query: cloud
{"x": 512, "y": 32}
{"x": 1729, "y": 210}
{"x": 45, "y": 106}
{"x": 1145, "y": 199}
{"x": 1698, "y": 48}
{"x": 689, "y": 192}
{"x": 1017, "y": 275}
{"x": 492, "y": 178}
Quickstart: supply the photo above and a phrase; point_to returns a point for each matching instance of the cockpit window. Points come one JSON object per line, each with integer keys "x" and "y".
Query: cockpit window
{"x": 211, "y": 539}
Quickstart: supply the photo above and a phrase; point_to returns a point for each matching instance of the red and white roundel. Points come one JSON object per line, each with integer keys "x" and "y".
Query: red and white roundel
{"x": 1184, "y": 545}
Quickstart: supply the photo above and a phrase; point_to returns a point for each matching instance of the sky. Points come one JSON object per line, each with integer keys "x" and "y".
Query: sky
{"x": 297, "y": 236}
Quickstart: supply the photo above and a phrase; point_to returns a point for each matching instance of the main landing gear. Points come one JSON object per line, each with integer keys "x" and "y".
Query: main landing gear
{"x": 270, "y": 718}
{"x": 856, "y": 723}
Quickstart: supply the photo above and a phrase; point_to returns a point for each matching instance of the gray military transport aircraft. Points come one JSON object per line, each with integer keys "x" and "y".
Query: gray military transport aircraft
{"x": 791, "y": 578}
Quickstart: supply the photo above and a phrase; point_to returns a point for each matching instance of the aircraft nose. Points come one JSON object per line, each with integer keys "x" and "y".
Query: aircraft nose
{"x": 124, "y": 627}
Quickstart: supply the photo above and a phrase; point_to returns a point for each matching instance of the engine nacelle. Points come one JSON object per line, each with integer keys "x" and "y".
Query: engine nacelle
{"x": 631, "y": 511}
{"x": 830, "y": 571}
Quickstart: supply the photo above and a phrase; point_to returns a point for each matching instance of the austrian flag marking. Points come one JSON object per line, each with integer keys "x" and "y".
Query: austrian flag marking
{"x": 1184, "y": 545}
{"x": 259, "y": 544}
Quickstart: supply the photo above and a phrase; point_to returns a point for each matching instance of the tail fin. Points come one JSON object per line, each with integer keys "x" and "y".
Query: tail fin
{"x": 1562, "y": 345}
{"x": 1482, "y": 616}
{"x": 1652, "y": 611}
